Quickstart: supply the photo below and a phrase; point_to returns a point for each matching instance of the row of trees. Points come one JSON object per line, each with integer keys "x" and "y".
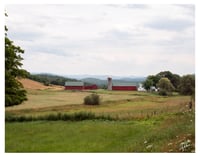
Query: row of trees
{"x": 48, "y": 79}
{"x": 168, "y": 82}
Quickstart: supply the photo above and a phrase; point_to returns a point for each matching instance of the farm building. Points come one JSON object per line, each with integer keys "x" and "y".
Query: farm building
{"x": 91, "y": 87}
{"x": 79, "y": 86}
{"x": 121, "y": 85}
{"x": 74, "y": 85}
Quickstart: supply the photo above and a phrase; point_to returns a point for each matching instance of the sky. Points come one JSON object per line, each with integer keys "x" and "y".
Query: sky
{"x": 104, "y": 39}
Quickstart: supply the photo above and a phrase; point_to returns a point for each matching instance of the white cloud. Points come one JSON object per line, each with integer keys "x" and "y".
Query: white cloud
{"x": 104, "y": 39}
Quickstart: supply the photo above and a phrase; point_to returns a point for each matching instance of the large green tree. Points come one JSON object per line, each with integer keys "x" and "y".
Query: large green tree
{"x": 151, "y": 80}
{"x": 187, "y": 85}
{"x": 14, "y": 91}
{"x": 174, "y": 78}
{"x": 165, "y": 86}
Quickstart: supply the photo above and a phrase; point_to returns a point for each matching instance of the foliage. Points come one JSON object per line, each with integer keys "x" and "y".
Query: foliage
{"x": 77, "y": 116}
{"x": 148, "y": 83}
{"x": 48, "y": 79}
{"x": 174, "y": 78}
{"x": 165, "y": 86}
{"x": 92, "y": 99}
{"x": 14, "y": 92}
{"x": 187, "y": 85}
{"x": 152, "y": 80}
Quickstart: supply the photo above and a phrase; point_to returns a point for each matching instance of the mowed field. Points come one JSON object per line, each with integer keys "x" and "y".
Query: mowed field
{"x": 141, "y": 122}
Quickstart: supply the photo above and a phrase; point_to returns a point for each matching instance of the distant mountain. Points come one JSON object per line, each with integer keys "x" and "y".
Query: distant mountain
{"x": 104, "y": 77}
{"x": 79, "y": 77}
{"x": 100, "y": 80}
{"x": 135, "y": 79}
{"x": 94, "y": 81}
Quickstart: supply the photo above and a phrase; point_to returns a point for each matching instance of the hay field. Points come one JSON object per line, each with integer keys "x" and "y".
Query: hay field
{"x": 140, "y": 120}
{"x": 117, "y": 104}
{"x": 54, "y": 98}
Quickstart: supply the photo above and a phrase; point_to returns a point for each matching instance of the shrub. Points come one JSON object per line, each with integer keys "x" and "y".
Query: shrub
{"x": 83, "y": 116}
{"x": 92, "y": 99}
{"x": 78, "y": 116}
{"x": 163, "y": 92}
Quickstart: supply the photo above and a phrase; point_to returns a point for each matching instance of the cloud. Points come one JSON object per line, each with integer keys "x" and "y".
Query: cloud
{"x": 169, "y": 24}
{"x": 26, "y": 35}
{"x": 129, "y": 6}
{"x": 104, "y": 39}
{"x": 137, "y": 6}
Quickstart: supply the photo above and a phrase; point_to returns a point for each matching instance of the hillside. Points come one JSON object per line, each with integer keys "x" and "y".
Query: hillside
{"x": 31, "y": 84}
{"x": 50, "y": 79}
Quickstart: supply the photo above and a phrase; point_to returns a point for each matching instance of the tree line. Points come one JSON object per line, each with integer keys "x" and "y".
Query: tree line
{"x": 48, "y": 79}
{"x": 167, "y": 82}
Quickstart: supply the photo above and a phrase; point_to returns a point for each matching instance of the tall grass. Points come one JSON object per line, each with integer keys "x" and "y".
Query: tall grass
{"x": 78, "y": 116}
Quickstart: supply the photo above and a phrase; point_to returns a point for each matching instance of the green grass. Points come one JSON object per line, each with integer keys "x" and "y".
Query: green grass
{"x": 139, "y": 120}
{"x": 98, "y": 135}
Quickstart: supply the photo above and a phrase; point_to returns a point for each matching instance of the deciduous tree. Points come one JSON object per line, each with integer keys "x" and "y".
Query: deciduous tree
{"x": 14, "y": 91}
{"x": 165, "y": 86}
{"x": 187, "y": 85}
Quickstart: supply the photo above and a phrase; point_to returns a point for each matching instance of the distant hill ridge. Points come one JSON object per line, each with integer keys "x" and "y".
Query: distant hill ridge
{"x": 47, "y": 79}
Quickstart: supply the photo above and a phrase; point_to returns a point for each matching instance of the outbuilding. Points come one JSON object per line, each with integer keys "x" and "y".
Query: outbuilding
{"x": 124, "y": 86}
{"x": 79, "y": 86}
{"x": 74, "y": 85}
{"x": 121, "y": 85}
{"x": 91, "y": 87}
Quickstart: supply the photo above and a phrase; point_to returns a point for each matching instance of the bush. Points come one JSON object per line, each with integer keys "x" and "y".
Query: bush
{"x": 92, "y": 99}
{"x": 163, "y": 92}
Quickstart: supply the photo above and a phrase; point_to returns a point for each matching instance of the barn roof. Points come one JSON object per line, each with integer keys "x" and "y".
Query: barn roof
{"x": 123, "y": 84}
{"x": 74, "y": 83}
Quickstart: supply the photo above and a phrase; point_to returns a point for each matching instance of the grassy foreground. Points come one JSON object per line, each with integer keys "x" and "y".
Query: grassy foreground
{"x": 157, "y": 134}
{"x": 126, "y": 121}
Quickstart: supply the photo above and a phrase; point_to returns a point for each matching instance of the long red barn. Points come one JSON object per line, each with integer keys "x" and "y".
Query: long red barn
{"x": 91, "y": 87}
{"x": 74, "y": 86}
{"x": 79, "y": 86}
{"x": 124, "y": 86}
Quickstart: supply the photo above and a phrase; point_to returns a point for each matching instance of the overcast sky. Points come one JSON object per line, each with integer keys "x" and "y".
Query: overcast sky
{"x": 104, "y": 39}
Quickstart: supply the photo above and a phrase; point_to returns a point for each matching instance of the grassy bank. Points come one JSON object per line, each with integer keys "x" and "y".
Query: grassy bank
{"x": 152, "y": 135}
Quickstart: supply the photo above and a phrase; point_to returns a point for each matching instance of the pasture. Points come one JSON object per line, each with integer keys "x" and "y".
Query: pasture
{"x": 141, "y": 122}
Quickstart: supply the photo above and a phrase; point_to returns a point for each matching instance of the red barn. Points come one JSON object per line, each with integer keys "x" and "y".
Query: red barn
{"x": 121, "y": 85}
{"x": 91, "y": 87}
{"x": 74, "y": 85}
{"x": 78, "y": 86}
{"x": 124, "y": 86}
